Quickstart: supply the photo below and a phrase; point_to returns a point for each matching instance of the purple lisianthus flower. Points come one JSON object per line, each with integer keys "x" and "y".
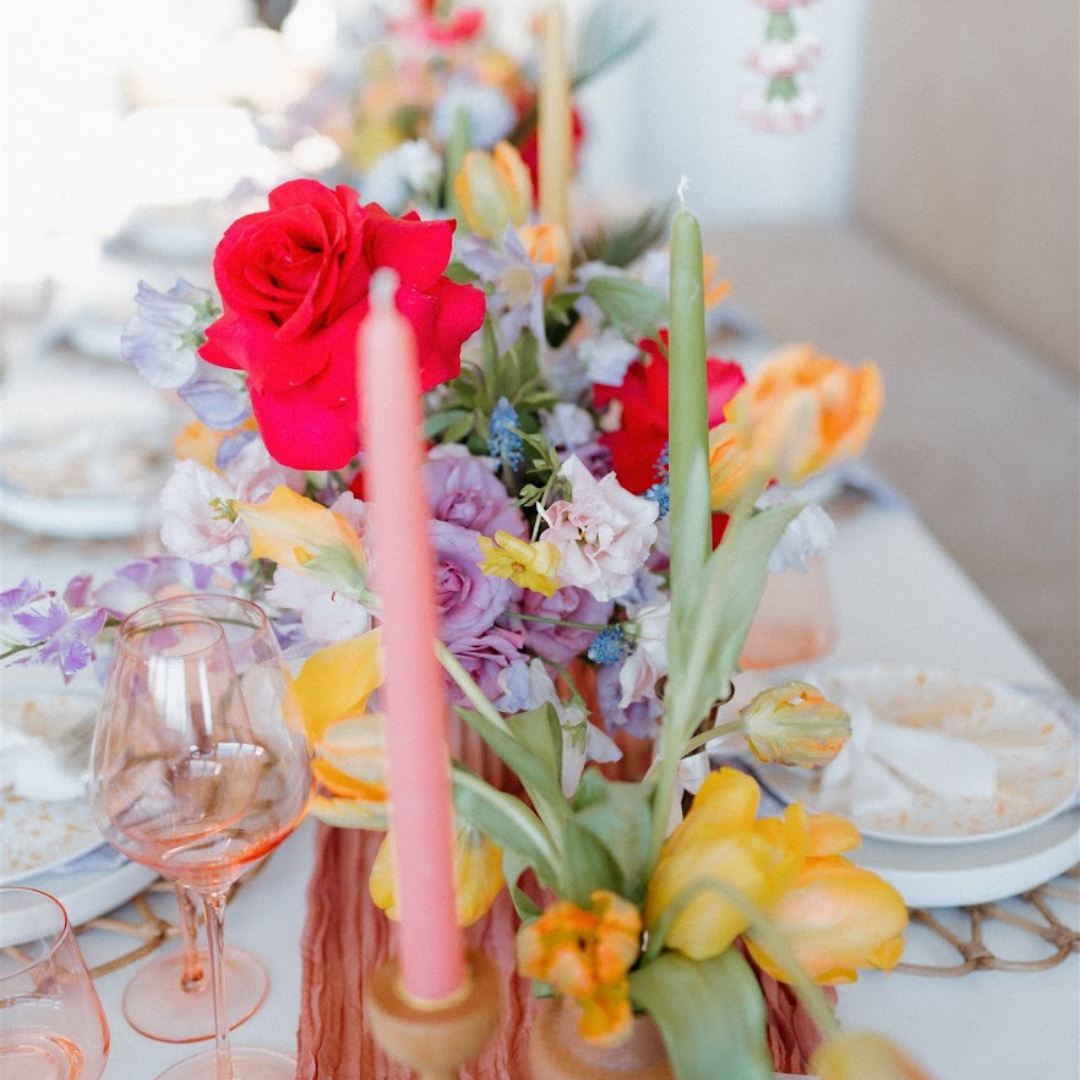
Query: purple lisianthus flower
{"x": 484, "y": 657}
{"x": 469, "y": 601}
{"x": 62, "y": 636}
{"x": 465, "y": 491}
{"x": 561, "y": 643}
{"x": 640, "y": 719}
{"x": 146, "y": 580}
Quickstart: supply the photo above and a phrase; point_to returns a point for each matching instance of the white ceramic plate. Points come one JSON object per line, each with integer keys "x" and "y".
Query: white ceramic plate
{"x": 87, "y": 483}
{"x": 1034, "y": 749}
{"x": 88, "y": 894}
{"x": 975, "y": 873}
{"x": 39, "y": 834}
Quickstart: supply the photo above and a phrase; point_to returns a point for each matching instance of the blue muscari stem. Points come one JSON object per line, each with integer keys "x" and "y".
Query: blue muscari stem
{"x": 503, "y": 441}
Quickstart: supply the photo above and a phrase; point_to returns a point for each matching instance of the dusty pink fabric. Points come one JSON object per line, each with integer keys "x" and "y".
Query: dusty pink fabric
{"x": 346, "y": 936}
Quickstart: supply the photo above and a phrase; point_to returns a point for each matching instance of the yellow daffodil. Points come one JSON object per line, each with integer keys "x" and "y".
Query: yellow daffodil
{"x": 530, "y": 565}
{"x": 494, "y": 190}
{"x": 731, "y": 472}
{"x": 478, "y": 876}
{"x": 585, "y": 954}
{"x": 722, "y": 841}
{"x": 307, "y": 539}
{"x": 836, "y": 917}
{"x": 858, "y": 1055}
{"x": 804, "y": 412}
{"x": 793, "y": 724}
{"x": 549, "y": 245}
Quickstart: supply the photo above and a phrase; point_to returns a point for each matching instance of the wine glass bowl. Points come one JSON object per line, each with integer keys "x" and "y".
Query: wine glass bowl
{"x": 199, "y": 767}
{"x": 52, "y": 1026}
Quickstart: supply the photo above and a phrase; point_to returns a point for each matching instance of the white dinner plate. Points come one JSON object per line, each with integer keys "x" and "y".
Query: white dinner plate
{"x": 1030, "y": 742}
{"x": 40, "y": 834}
{"x": 90, "y": 893}
{"x": 89, "y": 483}
{"x": 975, "y": 873}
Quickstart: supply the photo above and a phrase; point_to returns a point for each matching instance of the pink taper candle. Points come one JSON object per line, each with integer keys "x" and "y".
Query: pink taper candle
{"x": 430, "y": 949}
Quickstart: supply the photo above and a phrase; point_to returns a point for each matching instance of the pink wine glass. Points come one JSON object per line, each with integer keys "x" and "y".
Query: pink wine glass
{"x": 52, "y": 1026}
{"x": 199, "y": 769}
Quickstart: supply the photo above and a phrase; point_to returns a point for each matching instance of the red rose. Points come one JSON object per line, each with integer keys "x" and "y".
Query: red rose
{"x": 637, "y": 445}
{"x": 294, "y": 285}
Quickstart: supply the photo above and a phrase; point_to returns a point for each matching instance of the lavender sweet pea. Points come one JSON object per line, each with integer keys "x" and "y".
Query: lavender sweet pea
{"x": 57, "y": 634}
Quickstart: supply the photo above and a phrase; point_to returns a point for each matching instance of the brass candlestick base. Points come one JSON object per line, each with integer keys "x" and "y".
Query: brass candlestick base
{"x": 435, "y": 1041}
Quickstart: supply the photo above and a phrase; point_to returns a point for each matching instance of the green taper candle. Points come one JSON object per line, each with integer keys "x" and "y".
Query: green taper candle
{"x": 688, "y": 410}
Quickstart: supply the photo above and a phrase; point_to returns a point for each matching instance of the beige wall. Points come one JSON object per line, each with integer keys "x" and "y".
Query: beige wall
{"x": 969, "y": 154}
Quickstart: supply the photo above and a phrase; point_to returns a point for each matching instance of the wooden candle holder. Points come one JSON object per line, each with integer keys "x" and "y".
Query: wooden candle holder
{"x": 437, "y": 1039}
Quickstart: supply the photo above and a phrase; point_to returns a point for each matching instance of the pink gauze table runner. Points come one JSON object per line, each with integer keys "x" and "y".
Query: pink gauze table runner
{"x": 346, "y": 936}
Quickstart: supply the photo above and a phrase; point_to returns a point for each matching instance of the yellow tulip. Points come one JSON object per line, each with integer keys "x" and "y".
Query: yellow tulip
{"x": 336, "y": 681}
{"x": 793, "y": 724}
{"x": 308, "y": 539}
{"x": 731, "y": 473}
{"x": 836, "y": 917}
{"x": 860, "y": 1055}
{"x": 478, "y": 876}
{"x": 494, "y": 190}
{"x": 549, "y": 245}
{"x": 722, "y": 842}
{"x": 530, "y": 565}
{"x": 331, "y": 693}
{"x": 804, "y": 412}
{"x": 585, "y": 954}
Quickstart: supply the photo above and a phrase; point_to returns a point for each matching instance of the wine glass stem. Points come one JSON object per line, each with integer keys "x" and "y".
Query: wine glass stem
{"x": 192, "y": 974}
{"x": 214, "y": 906}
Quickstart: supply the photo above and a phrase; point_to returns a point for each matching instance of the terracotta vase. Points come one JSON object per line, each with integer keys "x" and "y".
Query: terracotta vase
{"x": 558, "y": 1052}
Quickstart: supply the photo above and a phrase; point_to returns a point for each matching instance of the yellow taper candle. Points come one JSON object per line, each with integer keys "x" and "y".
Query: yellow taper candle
{"x": 555, "y": 121}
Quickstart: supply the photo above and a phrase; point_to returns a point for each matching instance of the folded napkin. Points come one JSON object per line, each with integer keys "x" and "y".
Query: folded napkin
{"x": 32, "y": 769}
{"x": 886, "y": 766}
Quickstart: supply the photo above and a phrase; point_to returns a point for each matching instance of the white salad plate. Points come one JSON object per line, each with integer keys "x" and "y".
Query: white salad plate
{"x": 1029, "y": 747}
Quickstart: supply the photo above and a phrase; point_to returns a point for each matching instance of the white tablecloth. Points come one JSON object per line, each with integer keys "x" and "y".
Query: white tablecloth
{"x": 898, "y": 597}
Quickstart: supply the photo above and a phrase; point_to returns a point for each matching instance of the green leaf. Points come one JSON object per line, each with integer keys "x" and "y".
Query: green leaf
{"x": 522, "y": 746}
{"x": 436, "y": 423}
{"x": 506, "y": 821}
{"x": 588, "y": 865}
{"x": 514, "y": 865}
{"x": 619, "y": 815}
{"x": 711, "y": 1015}
{"x": 607, "y": 36}
{"x": 631, "y": 306}
{"x": 625, "y": 243}
{"x": 711, "y": 632}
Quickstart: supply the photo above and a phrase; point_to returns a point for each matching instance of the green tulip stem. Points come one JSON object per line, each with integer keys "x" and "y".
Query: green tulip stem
{"x": 707, "y": 737}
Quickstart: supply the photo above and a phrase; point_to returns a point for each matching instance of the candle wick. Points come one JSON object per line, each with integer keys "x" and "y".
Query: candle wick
{"x": 383, "y": 289}
{"x": 684, "y": 184}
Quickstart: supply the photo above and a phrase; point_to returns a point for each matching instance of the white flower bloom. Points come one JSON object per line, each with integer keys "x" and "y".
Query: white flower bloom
{"x": 326, "y": 615}
{"x": 778, "y": 115}
{"x": 567, "y": 426}
{"x": 649, "y": 660}
{"x": 606, "y": 357}
{"x": 197, "y": 523}
{"x": 491, "y": 116}
{"x": 411, "y": 172}
{"x": 782, "y": 59}
{"x": 811, "y": 533}
{"x": 604, "y": 534}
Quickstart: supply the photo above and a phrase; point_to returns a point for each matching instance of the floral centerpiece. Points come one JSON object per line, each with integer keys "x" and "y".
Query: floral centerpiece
{"x": 599, "y": 561}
